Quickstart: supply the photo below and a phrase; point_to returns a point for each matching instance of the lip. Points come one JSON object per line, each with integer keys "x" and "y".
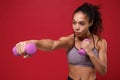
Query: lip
{"x": 78, "y": 32}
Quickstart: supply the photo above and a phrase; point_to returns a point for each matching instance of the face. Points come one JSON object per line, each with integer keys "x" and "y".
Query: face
{"x": 81, "y": 24}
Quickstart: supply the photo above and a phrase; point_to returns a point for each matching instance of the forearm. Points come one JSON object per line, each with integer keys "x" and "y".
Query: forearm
{"x": 44, "y": 44}
{"x": 99, "y": 65}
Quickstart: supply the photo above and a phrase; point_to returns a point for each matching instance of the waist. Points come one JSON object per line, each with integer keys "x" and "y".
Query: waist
{"x": 80, "y": 72}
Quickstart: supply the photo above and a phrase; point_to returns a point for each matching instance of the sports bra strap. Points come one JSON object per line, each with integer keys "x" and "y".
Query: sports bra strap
{"x": 93, "y": 40}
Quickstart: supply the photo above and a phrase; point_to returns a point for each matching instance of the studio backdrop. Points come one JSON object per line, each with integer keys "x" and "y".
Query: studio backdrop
{"x": 50, "y": 19}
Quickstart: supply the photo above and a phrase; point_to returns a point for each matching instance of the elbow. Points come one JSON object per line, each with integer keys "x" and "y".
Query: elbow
{"x": 51, "y": 46}
{"x": 103, "y": 71}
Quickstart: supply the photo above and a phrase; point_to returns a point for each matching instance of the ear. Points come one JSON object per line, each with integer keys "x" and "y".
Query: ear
{"x": 91, "y": 23}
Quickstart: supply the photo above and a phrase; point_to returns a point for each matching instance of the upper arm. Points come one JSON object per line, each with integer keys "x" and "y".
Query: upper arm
{"x": 49, "y": 44}
{"x": 103, "y": 51}
{"x": 63, "y": 42}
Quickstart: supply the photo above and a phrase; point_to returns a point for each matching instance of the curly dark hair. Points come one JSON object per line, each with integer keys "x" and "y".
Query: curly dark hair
{"x": 93, "y": 13}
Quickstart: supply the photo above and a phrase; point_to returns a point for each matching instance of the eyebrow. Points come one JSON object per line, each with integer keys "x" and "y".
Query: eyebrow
{"x": 78, "y": 21}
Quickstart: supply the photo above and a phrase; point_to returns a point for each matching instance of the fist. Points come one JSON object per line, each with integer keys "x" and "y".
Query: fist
{"x": 86, "y": 45}
{"x": 20, "y": 48}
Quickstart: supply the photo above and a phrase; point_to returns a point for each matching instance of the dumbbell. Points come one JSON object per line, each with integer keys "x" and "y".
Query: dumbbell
{"x": 82, "y": 51}
{"x": 30, "y": 49}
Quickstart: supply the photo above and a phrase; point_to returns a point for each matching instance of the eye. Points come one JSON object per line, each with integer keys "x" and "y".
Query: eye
{"x": 74, "y": 22}
{"x": 81, "y": 23}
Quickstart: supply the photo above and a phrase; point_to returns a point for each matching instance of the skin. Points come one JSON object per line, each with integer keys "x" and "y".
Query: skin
{"x": 81, "y": 30}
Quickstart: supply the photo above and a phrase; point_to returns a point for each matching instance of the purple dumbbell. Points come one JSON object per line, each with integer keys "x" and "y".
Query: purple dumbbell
{"x": 82, "y": 51}
{"x": 30, "y": 49}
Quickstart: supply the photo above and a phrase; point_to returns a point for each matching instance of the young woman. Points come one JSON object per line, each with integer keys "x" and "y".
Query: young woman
{"x": 87, "y": 23}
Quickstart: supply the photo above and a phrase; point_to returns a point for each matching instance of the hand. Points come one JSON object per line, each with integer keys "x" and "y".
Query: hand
{"x": 25, "y": 49}
{"x": 20, "y": 48}
{"x": 86, "y": 46}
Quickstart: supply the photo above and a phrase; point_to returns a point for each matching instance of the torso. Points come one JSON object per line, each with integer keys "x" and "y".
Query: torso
{"x": 78, "y": 72}
{"x": 81, "y": 73}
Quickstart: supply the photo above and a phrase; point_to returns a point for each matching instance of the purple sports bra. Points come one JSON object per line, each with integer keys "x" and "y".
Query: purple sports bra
{"x": 75, "y": 58}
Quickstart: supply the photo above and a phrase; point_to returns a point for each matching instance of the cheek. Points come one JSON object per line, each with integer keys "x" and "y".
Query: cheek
{"x": 84, "y": 29}
{"x": 73, "y": 27}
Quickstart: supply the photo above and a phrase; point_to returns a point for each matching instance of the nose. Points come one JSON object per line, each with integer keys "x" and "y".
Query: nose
{"x": 77, "y": 27}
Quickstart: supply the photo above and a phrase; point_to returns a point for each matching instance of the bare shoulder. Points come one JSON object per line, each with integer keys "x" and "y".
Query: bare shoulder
{"x": 69, "y": 40}
{"x": 102, "y": 43}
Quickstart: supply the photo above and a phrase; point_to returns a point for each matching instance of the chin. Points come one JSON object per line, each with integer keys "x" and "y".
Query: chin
{"x": 78, "y": 35}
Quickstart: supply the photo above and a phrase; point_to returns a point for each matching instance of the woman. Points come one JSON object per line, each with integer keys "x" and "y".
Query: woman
{"x": 87, "y": 23}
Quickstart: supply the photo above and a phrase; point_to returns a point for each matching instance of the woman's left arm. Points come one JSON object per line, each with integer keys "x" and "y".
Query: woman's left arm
{"x": 101, "y": 62}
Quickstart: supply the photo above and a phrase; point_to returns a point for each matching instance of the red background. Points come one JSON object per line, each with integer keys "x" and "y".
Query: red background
{"x": 38, "y": 19}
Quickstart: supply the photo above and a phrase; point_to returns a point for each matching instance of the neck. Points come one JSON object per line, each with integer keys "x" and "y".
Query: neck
{"x": 87, "y": 35}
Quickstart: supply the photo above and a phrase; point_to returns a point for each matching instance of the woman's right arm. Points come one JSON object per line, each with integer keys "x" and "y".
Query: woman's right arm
{"x": 45, "y": 44}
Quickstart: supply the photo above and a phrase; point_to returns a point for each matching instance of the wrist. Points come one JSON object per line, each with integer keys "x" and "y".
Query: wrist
{"x": 90, "y": 53}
